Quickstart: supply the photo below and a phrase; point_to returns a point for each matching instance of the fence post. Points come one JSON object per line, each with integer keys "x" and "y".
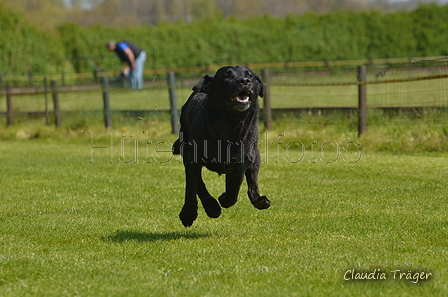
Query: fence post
{"x": 30, "y": 79}
{"x": 372, "y": 64}
{"x": 171, "y": 76}
{"x": 106, "y": 103}
{"x": 411, "y": 64}
{"x": 2, "y": 81}
{"x": 327, "y": 64}
{"x": 286, "y": 66}
{"x": 267, "y": 100}
{"x": 56, "y": 109}
{"x": 9, "y": 116}
{"x": 47, "y": 116}
{"x": 362, "y": 100}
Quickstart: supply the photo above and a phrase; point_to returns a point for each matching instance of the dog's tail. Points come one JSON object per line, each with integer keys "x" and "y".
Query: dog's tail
{"x": 176, "y": 147}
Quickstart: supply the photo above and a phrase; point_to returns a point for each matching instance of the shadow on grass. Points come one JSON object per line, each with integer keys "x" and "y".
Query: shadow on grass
{"x": 121, "y": 236}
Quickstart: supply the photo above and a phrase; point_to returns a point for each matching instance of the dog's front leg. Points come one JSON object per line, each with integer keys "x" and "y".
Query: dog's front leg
{"x": 210, "y": 204}
{"x": 189, "y": 211}
{"x": 233, "y": 184}
{"x": 260, "y": 202}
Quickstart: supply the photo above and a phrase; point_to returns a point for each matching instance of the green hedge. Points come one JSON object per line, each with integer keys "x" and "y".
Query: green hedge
{"x": 25, "y": 49}
{"x": 336, "y": 36}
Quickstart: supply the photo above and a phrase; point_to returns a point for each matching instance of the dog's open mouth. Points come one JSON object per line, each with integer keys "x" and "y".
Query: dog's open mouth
{"x": 240, "y": 98}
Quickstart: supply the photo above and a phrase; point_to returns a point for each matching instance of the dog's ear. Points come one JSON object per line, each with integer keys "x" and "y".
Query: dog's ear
{"x": 260, "y": 85}
{"x": 203, "y": 84}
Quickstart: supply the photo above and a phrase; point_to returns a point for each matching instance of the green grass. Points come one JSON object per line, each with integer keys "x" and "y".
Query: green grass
{"x": 69, "y": 227}
{"x": 424, "y": 132}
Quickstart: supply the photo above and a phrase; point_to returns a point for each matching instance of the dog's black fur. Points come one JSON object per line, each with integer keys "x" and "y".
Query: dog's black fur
{"x": 219, "y": 130}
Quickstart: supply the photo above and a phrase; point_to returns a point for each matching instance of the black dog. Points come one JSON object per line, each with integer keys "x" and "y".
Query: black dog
{"x": 219, "y": 130}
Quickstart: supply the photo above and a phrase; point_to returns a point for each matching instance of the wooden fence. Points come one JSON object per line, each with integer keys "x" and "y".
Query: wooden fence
{"x": 54, "y": 90}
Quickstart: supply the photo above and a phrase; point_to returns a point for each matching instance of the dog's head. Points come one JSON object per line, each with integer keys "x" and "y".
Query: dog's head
{"x": 234, "y": 89}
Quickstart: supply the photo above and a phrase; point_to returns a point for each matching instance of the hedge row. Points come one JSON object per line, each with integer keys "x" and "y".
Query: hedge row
{"x": 336, "y": 36}
{"x": 25, "y": 49}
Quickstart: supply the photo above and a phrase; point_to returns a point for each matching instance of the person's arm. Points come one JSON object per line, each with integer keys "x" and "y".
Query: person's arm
{"x": 131, "y": 57}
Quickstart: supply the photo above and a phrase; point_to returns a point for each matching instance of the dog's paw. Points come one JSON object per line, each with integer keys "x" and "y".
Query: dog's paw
{"x": 212, "y": 207}
{"x": 187, "y": 216}
{"x": 262, "y": 203}
{"x": 224, "y": 203}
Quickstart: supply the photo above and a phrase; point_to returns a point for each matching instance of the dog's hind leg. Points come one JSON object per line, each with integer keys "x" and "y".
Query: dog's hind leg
{"x": 260, "y": 202}
{"x": 189, "y": 211}
{"x": 210, "y": 204}
{"x": 233, "y": 185}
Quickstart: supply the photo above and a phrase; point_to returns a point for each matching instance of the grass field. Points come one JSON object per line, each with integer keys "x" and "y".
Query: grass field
{"x": 89, "y": 212}
{"x": 74, "y": 224}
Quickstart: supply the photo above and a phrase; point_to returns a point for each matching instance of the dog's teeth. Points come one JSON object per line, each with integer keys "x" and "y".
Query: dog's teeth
{"x": 240, "y": 98}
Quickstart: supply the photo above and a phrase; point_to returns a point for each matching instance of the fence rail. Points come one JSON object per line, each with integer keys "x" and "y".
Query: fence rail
{"x": 62, "y": 78}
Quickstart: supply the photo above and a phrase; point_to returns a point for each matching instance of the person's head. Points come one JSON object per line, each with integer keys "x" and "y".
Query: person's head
{"x": 111, "y": 45}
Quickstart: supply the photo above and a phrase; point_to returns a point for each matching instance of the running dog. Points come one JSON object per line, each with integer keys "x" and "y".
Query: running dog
{"x": 219, "y": 130}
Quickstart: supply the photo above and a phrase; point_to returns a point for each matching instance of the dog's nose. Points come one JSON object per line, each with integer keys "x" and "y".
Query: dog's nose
{"x": 245, "y": 81}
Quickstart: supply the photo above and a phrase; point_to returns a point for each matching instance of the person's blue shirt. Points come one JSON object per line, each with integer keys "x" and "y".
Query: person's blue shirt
{"x": 121, "y": 46}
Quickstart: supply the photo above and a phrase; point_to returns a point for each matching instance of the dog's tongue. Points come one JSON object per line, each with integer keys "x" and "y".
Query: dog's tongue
{"x": 242, "y": 97}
